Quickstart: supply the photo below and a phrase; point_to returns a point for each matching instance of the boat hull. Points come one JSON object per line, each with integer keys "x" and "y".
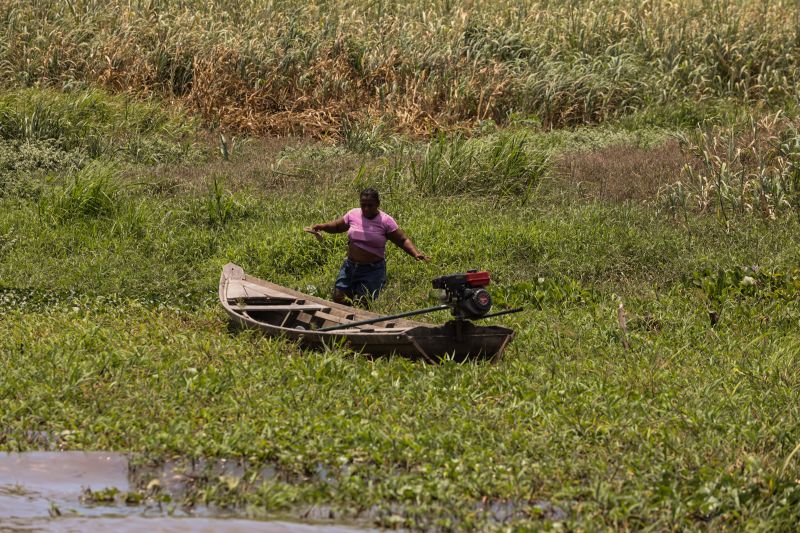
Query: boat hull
{"x": 294, "y": 315}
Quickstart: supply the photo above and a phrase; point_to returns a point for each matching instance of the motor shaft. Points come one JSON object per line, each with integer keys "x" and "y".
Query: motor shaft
{"x": 382, "y": 318}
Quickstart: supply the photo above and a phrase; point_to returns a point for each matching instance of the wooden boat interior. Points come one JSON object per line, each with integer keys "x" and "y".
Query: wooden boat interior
{"x": 300, "y": 312}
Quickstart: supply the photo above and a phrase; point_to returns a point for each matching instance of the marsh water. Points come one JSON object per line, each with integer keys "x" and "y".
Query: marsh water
{"x": 75, "y": 491}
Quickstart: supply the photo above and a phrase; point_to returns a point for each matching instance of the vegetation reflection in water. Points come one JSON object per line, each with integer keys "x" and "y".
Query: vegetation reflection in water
{"x": 64, "y": 490}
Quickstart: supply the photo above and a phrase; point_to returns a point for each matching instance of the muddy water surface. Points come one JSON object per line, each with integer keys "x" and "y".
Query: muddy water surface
{"x": 47, "y": 491}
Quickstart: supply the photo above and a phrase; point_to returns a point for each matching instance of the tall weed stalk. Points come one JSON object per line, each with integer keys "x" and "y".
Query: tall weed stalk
{"x": 756, "y": 171}
{"x": 220, "y": 205}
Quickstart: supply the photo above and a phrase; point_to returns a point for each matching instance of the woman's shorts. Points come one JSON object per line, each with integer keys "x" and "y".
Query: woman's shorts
{"x": 361, "y": 279}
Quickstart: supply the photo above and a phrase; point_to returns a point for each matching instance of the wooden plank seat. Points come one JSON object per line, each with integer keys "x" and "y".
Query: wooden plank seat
{"x": 282, "y": 308}
{"x": 325, "y": 315}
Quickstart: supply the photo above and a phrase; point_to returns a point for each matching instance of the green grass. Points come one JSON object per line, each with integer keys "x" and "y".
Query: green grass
{"x": 97, "y": 124}
{"x": 114, "y": 340}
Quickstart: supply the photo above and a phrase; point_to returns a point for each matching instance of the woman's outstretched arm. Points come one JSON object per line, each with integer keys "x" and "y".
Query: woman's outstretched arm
{"x": 334, "y": 226}
{"x": 402, "y": 240}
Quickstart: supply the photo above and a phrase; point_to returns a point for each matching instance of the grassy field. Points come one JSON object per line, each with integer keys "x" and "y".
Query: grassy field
{"x": 630, "y": 175}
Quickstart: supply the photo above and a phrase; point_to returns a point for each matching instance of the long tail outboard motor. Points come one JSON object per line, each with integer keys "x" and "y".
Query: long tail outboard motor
{"x": 465, "y": 293}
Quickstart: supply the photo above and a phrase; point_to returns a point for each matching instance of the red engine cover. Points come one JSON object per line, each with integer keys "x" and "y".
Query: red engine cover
{"x": 477, "y": 279}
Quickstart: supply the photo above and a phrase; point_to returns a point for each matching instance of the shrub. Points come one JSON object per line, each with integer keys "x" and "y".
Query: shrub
{"x": 503, "y": 167}
{"x": 92, "y": 192}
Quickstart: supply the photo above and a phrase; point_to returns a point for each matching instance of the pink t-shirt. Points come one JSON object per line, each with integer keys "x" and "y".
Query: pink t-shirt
{"x": 369, "y": 234}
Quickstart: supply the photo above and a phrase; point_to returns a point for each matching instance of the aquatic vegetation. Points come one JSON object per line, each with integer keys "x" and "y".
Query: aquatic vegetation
{"x": 115, "y": 341}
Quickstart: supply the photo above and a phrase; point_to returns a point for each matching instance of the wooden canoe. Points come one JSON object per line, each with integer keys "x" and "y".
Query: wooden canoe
{"x": 275, "y": 310}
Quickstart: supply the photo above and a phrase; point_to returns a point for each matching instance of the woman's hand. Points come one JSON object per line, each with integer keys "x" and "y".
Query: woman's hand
{"x": 421, "y": 257}
{"x": 334, "y": 226}
{"x": 313, "y": 230}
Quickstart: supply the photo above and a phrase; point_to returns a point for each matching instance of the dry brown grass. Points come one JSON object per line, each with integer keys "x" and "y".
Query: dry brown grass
{"x": 623, "y": 172}
{"x": 305, "y": 68}
{"x": 332, "y": 91}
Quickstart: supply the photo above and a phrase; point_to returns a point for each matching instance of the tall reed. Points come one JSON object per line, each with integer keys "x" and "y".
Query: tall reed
{"x": 752, "y": 171}
{"x": 304, "y": 68}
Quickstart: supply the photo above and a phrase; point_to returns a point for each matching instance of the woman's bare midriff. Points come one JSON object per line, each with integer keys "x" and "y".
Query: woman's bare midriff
{"x": 354, "y": 253}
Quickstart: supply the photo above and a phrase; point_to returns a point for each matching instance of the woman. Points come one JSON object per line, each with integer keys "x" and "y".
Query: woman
{"x": 363, "y": 273}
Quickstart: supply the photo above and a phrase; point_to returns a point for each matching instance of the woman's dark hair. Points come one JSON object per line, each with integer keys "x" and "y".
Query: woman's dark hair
{"x": 371, "y": 193}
